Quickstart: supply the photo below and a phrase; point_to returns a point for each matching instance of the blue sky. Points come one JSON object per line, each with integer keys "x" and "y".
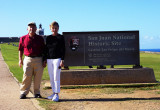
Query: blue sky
{"x": 84, "y": 15}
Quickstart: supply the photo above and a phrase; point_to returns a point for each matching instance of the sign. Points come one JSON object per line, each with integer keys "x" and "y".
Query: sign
{"x": 101, "y": 48}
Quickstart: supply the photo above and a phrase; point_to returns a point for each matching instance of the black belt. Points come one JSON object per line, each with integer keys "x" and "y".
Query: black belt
{"x": 34, "y": 56}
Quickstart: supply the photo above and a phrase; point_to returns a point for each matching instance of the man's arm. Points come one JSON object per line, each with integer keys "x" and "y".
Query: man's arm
{"x": 20, "y": 58}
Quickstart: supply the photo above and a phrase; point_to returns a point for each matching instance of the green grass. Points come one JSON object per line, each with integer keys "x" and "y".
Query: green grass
{"x": 45, "y": 103}
{"x": 151, "y": 61}
{"x": 117, "y": 90}
{"x": 10, "y": 55}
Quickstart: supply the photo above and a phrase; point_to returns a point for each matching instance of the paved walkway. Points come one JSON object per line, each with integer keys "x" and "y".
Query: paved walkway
{"x": 9, "y": 92}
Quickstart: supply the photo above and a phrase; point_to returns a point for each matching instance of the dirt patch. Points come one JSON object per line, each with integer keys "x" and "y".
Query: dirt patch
{"x": 104, "y": 99}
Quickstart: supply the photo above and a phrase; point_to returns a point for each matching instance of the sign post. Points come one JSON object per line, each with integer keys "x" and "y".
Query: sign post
{"x": 102, "y": 48}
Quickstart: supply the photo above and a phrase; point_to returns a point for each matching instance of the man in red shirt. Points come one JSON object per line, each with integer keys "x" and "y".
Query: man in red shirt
{"x": 32, "y": 46}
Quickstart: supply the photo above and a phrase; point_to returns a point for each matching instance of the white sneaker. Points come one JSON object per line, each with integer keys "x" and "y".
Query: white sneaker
{"x": 55, "y": 98}
{"x": 50, "y": 97}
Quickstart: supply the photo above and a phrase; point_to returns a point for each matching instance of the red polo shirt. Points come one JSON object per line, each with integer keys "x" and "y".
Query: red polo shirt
{"x": 32, "y": 46}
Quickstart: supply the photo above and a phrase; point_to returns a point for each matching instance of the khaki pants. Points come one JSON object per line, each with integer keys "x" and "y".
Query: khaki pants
{"x": 31, "y": 67}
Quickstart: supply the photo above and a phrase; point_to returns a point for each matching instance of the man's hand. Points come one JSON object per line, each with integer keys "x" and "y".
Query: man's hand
{"x": 44, "y": 64}
{"x": 20, "y": 58}
{"x": 20, "y": 63}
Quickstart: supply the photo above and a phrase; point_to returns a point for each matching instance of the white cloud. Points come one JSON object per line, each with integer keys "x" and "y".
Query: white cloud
{"x": 149, "y": 38}
{"x": 150, "y": 42}
{"x": 145, "y": 37}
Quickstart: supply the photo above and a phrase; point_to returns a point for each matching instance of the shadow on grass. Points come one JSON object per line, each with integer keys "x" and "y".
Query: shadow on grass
{"x": 109, "y": 99}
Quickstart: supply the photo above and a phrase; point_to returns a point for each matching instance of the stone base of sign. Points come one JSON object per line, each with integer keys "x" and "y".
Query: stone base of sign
{"x": 107, "y": 76}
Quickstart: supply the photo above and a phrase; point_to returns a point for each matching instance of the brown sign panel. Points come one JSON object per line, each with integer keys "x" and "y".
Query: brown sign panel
{"x": 102, "y": 48}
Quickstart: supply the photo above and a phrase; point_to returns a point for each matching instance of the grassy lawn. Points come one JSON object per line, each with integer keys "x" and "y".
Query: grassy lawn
{"x": 10, "y": 55}
{"x": 151, "y": 61}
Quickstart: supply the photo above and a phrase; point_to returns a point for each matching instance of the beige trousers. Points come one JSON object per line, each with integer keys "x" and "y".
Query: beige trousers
{"x": 32, "y": 67}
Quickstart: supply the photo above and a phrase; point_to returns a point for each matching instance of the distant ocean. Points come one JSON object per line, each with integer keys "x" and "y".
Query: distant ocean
{"x": 150, "y": 50}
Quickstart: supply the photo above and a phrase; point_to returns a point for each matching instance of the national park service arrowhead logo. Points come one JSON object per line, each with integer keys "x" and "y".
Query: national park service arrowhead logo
{"x": 73, "y": 43}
